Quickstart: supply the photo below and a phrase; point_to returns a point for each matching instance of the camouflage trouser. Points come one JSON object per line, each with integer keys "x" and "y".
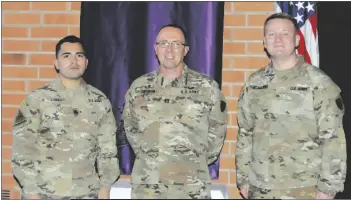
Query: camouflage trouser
{"x": 162, "y": 191}
{"x": 87, "y": 196}
{"x": 296, "y": 193}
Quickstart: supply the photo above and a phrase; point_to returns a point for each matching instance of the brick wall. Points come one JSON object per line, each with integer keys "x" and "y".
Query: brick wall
{"x": 30, "y": 31}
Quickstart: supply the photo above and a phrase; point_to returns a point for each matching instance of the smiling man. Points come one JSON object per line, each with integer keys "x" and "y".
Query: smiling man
{"x": 175, "y": 120}
{"x": 291, "y": 142}
{"x": 61, "y": 130}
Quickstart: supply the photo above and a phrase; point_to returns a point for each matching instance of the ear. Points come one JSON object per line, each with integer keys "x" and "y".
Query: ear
{"x": 297, "y": 40}
{"x": 264, "y": 43}
{"x": 55, "y": 64}
{"x": 186, "y": 50}
{"x": 86, "y": 64}
{"x": 155, "y": 48}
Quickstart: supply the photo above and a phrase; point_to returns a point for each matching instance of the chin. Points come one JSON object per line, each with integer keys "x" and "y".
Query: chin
{"x": 170, "y": 66}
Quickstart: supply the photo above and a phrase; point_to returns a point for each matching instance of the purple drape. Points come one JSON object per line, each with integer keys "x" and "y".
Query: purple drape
{"x": 119, "y": 39}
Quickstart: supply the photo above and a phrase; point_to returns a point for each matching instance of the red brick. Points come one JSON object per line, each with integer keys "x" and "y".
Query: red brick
{"x": 223, "y": 178}
{"x": 6, "y": 153}
{"x": 8, "y": 112}
{"x": 47, "y": 72}
{"x": 20, "y": 72}
{"x": 233, "y": 76}
{"x": 75, "y": 5}
{"x": 74, "y": 31}
{"x": 8, "y": 5}
{"x": 227, "y": 163}
{"x": 49, "y": 32}
{"x": 62, "y": 19}
{"x": 234, "y": 47}
{"x": 249, "y": 62}
{"x": 247, "y": 34}
{"x": 6, "y": 168}
{"x": 23, "y": 18}
{"x": 32, "y": 85}
{"x": 16, "y": 32}
{"x": 12, "y": 99}
{"x": 254, "y": 6}
{"x": 234, "y": 20}
{"x": 13, "y": 59}
{"x": 20, "y": 45}
{"x": 42, "y": 59}
{"x": 41, "y": 5}
{"x": 10, "y": 85}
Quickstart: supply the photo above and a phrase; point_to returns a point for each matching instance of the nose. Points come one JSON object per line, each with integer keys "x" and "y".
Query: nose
{"x": 169, "y": 48}
{"x": 74, "y": 59}
{"x": 278, "y": 37}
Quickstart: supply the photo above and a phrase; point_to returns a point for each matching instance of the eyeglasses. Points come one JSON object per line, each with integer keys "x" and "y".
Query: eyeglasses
{"x": 175, "y": 44}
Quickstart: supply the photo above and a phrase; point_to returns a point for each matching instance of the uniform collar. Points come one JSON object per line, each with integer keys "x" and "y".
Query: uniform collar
{"x": 59, "y": 85}
{"x": 176, "y": 82}
{"x": 271, "y": 72}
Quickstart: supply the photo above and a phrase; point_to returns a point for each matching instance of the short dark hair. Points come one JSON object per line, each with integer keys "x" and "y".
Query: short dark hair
{"x": 70, "y": 39}
{"x": 177, "y": 27}
{"x": 281, "y": 16}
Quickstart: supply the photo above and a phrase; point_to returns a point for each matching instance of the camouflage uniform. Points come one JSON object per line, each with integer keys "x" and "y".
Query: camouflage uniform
{"x": 290, "y": 132}
{"x": 59, "y": 134}
{"x": 176, "y": 128}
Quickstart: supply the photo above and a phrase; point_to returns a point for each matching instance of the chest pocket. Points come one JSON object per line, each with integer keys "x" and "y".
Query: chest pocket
{"x": 261, "y": 99}
{"x": 294, "y": 101}
{"x": 55, "y": 119}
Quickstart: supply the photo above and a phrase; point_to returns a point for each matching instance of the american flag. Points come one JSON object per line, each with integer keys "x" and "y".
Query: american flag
{"x": 306, "y": 16}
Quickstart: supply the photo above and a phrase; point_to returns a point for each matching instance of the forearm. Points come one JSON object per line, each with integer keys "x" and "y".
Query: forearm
{"x": 108, "y": 170}
{"x": 216, "y": 141}
{"x": 333, "y": 165}
{"x": 243, "y": 157}
{"x": 25, "y": 153}
{"x": 132, "y": 134}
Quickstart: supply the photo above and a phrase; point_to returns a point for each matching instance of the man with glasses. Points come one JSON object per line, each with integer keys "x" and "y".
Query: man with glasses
{"x": 175, "y": 120}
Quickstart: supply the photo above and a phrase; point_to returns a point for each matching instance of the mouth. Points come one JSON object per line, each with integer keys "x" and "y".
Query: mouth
{"x": 75, "y": 68}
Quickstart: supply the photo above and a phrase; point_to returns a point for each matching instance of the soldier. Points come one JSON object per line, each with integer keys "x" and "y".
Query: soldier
{"x": 61, "y": 130}
{"x": 291, "y": 142}
{"x": 175, "y": 120}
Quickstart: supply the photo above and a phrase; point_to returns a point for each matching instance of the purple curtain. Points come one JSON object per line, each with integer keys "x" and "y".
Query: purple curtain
{"x": 119, "y": 39}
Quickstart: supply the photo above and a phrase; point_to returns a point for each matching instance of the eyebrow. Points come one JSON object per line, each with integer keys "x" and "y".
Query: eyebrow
{"x": 68, "y": 53}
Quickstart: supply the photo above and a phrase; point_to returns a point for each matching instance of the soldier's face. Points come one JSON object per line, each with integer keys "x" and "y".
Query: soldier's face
{"x": 280, "y": 38}
{"x": 170, "y": 49}
{"x": 71, "y": 61}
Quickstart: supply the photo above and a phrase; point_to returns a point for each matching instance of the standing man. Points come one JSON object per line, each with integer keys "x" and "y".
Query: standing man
{"x": 175, "y": 120}
{"x": 62, "y": 130}
{"x": 291, "y": 142}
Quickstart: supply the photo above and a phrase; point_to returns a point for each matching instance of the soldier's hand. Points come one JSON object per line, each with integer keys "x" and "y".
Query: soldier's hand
{"x": 320, "y": 195}
{"x": 33, "y": 196}
{"x": 245, "y": 192}
{"x": 104, "y": 193}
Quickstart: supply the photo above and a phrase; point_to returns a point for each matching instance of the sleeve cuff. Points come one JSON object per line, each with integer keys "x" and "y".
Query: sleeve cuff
{"x": 326, "y": 190}
{"x": 31, "y": 190}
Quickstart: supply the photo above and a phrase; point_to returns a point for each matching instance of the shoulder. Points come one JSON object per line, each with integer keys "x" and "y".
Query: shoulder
{"x": 36, "y": 96}
{"x": 97, "y": 95}
{"x": 320, "y": 79}
{"x": 202, "y": 79}
{"x": 142, "y": 81}
{"x": 259, "y": 75}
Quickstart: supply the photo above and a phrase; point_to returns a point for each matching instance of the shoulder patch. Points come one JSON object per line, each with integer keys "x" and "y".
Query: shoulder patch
{"x": 223, "y": 106}
{"x": 20, "y": 119}
{"x": 339, "y": 103}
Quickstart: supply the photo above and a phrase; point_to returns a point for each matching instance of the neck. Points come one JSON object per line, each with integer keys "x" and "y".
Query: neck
{"x": 285, "y": 63}
{"x": 172, "y": 73}
{"x": 69, "y": 83}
